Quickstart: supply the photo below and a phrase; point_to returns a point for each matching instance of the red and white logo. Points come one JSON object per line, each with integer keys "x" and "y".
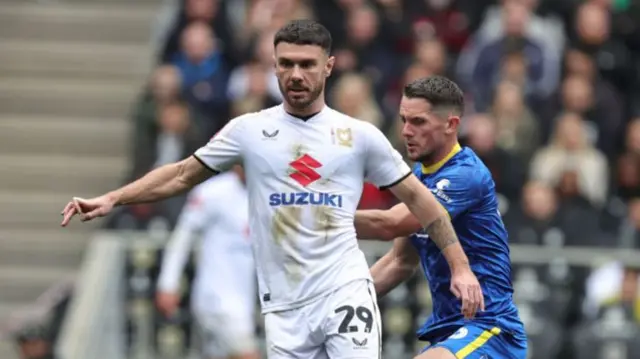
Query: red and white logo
{"x": 304, "y": 170}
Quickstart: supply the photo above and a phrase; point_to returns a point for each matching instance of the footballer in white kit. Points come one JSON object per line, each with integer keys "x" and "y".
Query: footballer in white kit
{"x": 224, "y": 295}
{"x": 305, "y": 165}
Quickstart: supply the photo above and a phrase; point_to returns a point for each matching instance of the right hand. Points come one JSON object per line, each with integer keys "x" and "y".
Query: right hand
{"x": 167, "y": 302}
{"x": 465, "y": 286}
{"x": 87, "y": 209}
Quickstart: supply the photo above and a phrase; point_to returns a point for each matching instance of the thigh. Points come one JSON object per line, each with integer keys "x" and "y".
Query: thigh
{"x": 353, "y": 324}
{"x": 289, "y": 336}
{"x": 473, "y": 342}
{"x": 226, "y": 334}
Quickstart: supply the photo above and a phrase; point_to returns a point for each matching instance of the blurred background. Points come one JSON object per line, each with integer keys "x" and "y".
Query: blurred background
{"x": 96, "y": 93}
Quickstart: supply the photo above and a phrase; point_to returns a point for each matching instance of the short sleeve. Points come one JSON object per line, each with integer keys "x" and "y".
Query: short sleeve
{"x": 457, "y": 192}
{"x": 384, "y": 166}
{"x": 225, "y": 148}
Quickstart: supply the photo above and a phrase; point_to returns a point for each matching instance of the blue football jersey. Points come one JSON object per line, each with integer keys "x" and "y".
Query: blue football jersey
{"x": 464, "y": 186}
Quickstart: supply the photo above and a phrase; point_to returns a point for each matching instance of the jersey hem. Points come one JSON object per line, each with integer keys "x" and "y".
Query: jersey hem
{"x": 395, "y": 182}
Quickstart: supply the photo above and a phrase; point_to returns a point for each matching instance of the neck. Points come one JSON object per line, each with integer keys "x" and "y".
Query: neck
{"x": 440, "y": 154}
{"x": 315, "y": 107}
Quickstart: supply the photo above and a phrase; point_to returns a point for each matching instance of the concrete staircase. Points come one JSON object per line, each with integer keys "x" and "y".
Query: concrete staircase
{"x": 69, "y": 72}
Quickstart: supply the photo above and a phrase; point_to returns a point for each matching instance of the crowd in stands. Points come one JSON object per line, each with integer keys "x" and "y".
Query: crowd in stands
{"x": 552, "y": 108}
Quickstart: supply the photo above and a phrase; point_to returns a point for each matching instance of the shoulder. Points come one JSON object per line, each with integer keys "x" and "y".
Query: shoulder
{"x": 466, "y": 173}
{"x": 248, "y": 119}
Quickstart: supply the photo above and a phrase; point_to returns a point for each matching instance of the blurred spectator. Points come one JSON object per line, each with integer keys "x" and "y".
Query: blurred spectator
{"x": 585, "y": 92}
{"x": 253, "y": 89}
{"x": 353, "y": 96}
{"x": 240, "y": 81}
{"x": 593, "y": 35}
{"x": 479, "y": 65}
{"x": 570, "y": 151}
{"x": 204, "y": 75}
{"x": 211, "y": 12}
{"x": 362, "y": 50}
{"x": 507, "y": 171}
{"x": 432, "y": 55}
{"x": 518, "y": 131}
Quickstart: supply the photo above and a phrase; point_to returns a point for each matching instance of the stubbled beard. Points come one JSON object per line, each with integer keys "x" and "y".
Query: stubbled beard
{"x": 312, "y": 93}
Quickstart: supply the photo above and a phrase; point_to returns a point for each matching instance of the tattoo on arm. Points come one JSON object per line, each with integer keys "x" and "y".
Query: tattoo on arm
{"x": 441, "y": 232}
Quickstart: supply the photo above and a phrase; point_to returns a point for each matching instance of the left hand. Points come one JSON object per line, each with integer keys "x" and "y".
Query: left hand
{"x": 465, "y": 286}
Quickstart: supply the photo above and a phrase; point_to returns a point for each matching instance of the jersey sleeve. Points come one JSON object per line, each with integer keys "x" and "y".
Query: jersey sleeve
{"x": 384, "y": 166}
{"x": 192, "y": 220}
{"x": 225, "y": 148}
{"x": 457, "y": 192}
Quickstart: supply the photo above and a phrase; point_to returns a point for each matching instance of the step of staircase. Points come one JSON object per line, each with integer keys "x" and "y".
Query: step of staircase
{"x": 73, "y": 59}
{"x": 64, "y": 97}
{"x": 58, "y": 173}
{"x": 20, "y": 134}
{"x": 99, "y": 22}
{"x": 43, "y": 248}
{"x": 22, "y": 285}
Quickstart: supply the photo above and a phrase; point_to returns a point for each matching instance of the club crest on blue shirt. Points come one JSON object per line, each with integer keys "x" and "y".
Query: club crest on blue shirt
{"x": 439, "y": 191}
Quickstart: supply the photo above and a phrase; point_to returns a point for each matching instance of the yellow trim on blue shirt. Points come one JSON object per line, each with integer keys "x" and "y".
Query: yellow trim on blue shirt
{"x": 436, "y": 166}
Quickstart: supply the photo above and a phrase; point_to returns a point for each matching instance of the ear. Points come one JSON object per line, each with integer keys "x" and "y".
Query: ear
{"x": 331, "y": 61}
{"x": 275, "y": 62}
{"x": 452, "y": 124}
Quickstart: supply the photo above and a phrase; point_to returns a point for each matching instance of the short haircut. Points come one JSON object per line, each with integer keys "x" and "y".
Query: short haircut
{"x": 304, "y": 32}
{"x": 439, "y": 91}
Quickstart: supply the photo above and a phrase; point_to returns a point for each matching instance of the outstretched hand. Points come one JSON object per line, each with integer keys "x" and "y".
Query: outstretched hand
{"x": 87, "y": 209}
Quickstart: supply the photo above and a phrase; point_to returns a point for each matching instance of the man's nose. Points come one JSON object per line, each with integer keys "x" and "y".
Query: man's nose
{"x": 296, "y": 74}
{"x": 407, "y": 131}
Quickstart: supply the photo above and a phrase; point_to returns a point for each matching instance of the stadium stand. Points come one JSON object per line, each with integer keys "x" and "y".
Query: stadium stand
{"x": 68, "y": 73}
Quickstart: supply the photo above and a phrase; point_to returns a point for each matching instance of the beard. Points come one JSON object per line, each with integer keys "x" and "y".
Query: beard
{"x": 302, "y": 100}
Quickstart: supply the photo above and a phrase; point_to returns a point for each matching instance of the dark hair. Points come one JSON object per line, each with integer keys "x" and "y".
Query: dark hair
{"x": 438, "y": 90}
{"x": 304, "y": 32}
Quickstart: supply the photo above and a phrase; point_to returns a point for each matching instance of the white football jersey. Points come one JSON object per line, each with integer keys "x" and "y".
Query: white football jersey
{"x": 304, "y": 179}
{"x": 217, "y": 212}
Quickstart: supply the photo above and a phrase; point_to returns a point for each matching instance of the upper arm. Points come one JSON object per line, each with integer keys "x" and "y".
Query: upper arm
{"x": 384, "y": 167}
{"x": 225, "y": 148}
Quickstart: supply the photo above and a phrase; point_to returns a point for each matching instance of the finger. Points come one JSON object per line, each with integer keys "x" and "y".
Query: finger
{"x": 465, "y": 302}
{"x": 68, "y": 215}
{"x": 481, "y": 298}
{"x": 66, "y": 208}
{"x": 473, "y": 302}
{"x": 454, "y": 289}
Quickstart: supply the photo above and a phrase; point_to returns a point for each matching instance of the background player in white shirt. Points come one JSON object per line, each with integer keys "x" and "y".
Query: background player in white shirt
{"x": 224, "y": 295}
{"x": 305, "y": 166}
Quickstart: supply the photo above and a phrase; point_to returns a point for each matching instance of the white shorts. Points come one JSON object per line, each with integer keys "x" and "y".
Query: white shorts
{"x": 342, "y": 325}
{"x": 226, "y": 334}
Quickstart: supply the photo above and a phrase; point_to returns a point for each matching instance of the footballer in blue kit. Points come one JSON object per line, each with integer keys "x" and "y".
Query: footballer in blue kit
{"x": 430, "y": 110}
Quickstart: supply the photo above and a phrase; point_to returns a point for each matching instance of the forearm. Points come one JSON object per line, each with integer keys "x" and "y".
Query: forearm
{"x": 372, "y": 224}
{"x": 436, "y": 222}
{"x": 441, "y": 232}
{"x": 161, "y": 183}
{"x": 388, "y": 273}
